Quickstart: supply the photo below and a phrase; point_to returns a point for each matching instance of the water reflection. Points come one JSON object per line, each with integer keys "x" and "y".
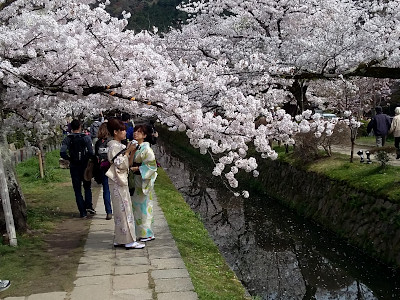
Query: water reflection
{"x": 275, "y": 253}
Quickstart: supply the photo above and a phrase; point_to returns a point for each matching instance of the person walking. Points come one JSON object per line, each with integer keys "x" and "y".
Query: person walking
{"x": 94, "y": 128}
{"x": 380, "y": 124}
{"x": 121, "y": 157}
{"x": 145, "y": 176}
{"x": 101, "y": 150}
{"x": 4, "y": 284}
{"x": 125, "y": 117}
{"x": 395, "y": 129}
{"x": 77, "y": 148}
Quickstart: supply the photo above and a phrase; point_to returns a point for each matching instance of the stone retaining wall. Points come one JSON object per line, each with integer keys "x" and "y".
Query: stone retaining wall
{"x": 370, "y": 223}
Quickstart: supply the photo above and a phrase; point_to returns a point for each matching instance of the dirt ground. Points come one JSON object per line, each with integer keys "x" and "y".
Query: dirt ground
{"x": 65, "y": 247}
{"x": 57, "y": 267}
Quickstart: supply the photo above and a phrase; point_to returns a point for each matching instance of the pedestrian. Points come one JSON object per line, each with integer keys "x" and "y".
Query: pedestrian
{"x": 66, "y": 125}
{"x": 145, "y": 176}
{"x": 120, "y": 158}
{"x": 129, "y": 127}
{"x": 152, "y": 139}
{"x": 380, "y": 124}
{"x": 395, "y": 129}
{"x": 4, "y": 284}
{"x": 77, "y": 148}
{"x": 101, "y": 150}
{"x": 94, "y": 128}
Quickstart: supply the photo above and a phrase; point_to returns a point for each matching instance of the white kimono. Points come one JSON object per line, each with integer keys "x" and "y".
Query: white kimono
{"x": 121, "y": 201}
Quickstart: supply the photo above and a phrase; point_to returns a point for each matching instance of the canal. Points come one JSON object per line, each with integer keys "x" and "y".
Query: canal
{"x": 275, "y": 253}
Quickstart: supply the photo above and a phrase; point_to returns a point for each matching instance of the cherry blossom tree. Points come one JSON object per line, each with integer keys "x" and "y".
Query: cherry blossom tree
{"x": 57, "y": 54}
{"x": 235, "y": 62}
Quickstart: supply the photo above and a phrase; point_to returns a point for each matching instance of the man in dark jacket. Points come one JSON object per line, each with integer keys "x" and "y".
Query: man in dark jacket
{"x": 94, "y": 128}
{"x": 381, "y": 125}
{"x": 77, "y": 148}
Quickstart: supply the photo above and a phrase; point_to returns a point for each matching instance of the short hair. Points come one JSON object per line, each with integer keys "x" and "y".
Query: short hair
{"x": 115, "y": 124}
{"x": 125, "y": 117}
{"x": 397, "y": 110}
{"x": 103, "y": 131}
{"x": 378, "y": 109}
{"x": 75, "y": 124}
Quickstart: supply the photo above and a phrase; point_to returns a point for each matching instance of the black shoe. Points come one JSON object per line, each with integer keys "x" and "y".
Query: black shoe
{"x": 109, "y": 217}
{"x": 91, "y": 211}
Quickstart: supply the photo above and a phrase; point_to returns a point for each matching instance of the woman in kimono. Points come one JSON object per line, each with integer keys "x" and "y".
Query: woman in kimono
{"x": 145, "y": 175}
{"x": 121, "y": 158}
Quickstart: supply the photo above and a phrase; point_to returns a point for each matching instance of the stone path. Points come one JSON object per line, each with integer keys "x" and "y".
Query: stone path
{"x": 346, "y": 150}
{"x": 105, "y": 272}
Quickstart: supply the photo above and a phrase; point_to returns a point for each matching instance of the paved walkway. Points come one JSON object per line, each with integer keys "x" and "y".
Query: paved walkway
{"x": 155, "y": 272}
{"x": 346, "y": 150}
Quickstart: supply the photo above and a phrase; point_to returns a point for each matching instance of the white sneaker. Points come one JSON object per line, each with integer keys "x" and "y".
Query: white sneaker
{"x": 4, "y": 284}
{"x": 134, "y": 245}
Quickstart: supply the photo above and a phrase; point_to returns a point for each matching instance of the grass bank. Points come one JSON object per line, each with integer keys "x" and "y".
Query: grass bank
{"x": 211, "y": 276}
{"x": 372, "y": 178}
{"x": 47, "y": 255}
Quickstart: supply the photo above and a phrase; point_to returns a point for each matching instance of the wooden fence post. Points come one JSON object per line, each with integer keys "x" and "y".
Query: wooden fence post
{"x": 5, "y": 199}
{"x": 39, "y": 153}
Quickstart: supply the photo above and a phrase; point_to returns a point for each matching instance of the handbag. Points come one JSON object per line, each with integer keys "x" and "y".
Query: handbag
{"x": 105, "y": 165}
{"x": 88, "y": 174}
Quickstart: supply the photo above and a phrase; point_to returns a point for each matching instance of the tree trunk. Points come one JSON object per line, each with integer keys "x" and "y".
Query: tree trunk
{"x": 298, "y": 90}
{"x": 6, "y": 205}
{"x": 42, "y": 154}
{"x": 17, "y": 200}
{"x": 18, "y": 205}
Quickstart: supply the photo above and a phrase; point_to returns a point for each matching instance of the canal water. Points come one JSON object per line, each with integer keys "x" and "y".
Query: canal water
{"x": 275, "y": 253}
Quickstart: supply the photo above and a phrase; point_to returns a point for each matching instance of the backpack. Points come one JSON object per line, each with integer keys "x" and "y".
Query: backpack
{"x": 77, "y": 147}
{"x": 94, "y": 128}
{"x": 102, "y": 151}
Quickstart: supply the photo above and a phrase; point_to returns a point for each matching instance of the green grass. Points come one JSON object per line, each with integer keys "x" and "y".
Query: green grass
{"x": 45, "y": 202}
{"x": 370, "y": 140}
{"x": 211, "y": 276}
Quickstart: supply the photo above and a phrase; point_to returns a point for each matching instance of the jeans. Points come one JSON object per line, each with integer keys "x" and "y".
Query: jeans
{"x": 106, "y": 194}
{"x": 77, "y": 172}
{"x": 380, "y": 140}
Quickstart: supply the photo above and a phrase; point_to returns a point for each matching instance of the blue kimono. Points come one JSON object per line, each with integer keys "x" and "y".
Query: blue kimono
{"x": 142, "y": 199}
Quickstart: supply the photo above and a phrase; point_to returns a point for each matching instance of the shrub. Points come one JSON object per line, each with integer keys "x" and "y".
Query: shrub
{"x": 307, "y": 147}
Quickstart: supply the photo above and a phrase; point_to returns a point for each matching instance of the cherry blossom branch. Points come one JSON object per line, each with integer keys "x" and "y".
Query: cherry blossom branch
{"x": 101, "y": 44}
{"x": 62, "y": 74}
